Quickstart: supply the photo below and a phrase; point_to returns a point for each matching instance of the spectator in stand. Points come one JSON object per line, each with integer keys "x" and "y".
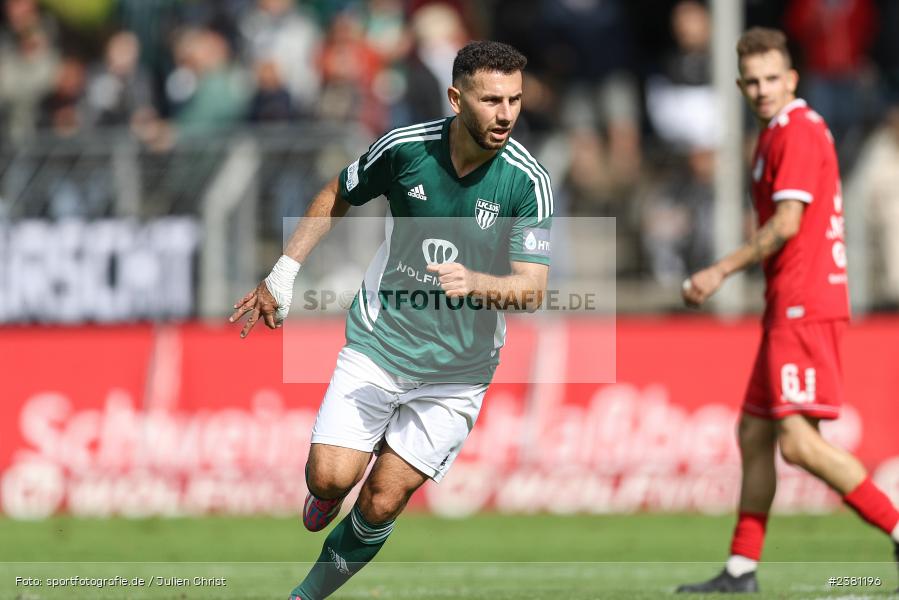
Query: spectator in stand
{"x": 439, "y": 34}
{"x": 676, "y": 218}
{"x": 516, "y": 22}
{"x": 119, "y": 93}
{"x": 875, "y": 184}
{"x": 675, "y": 221}
{"x": 271, "y": 101}
{"x": 64, "y": 112}
{"x": 834, "y": 37}
{"x": 64, "y": 109}
{"x": 683, "y": 83}
{"x": 28, "y": 64}
{"x": 471, "y": 13}
{"x": 222, "y": 16}
{"x": 349, "y": 66}
{"x": 276, "y": 34}
{"x": 386, "y": 29}
{"x": 155, "y": 23}
{"x": 388, "y": 32}
{"x": 587, "y": 47}
{"x": 207, "y": 89}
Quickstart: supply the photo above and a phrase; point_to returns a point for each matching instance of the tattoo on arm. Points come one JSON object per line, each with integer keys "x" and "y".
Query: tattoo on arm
{"x": 767, "y": 241}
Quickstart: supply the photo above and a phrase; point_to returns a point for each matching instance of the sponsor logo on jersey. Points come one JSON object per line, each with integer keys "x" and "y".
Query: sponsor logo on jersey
{"x": 536, "y": 241}
{"x": 352, "y": 175}
{"x": 438, "y": 252}
{"x": 420, "y": 276}
{"x": 486, "y": 212}
{"x": 418, "y": 192}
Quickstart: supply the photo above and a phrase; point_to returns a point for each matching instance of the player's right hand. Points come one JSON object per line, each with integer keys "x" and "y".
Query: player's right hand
{"x": 259, "y": 303}
{"x": 701, "y": 285}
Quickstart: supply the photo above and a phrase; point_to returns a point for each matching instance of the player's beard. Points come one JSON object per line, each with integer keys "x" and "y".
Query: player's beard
{"x": 480, "y": 137}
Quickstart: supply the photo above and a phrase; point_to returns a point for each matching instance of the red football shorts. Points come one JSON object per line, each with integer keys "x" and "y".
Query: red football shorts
{"x": 797, "y": 371}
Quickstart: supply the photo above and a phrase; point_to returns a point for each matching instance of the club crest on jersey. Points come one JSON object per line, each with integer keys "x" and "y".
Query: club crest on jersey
{"x": 485, "y": 213}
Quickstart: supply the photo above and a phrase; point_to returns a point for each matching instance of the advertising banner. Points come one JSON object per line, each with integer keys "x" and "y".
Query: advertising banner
{"x": 107, "y": 270}
{"x": 189, "y": 419}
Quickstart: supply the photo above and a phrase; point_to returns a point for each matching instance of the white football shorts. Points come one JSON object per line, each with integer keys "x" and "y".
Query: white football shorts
{"x": 425, "y": 423}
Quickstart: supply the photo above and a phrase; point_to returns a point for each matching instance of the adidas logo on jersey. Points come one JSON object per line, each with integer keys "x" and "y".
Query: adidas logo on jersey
{"x": 418, "y": 192}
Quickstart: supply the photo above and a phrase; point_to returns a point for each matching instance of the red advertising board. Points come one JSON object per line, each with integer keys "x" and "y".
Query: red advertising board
{"x": 189, "y": 419}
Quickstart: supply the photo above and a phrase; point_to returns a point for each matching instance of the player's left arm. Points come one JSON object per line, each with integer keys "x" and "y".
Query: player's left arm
{"x": 522, "y": 289}
{"x": 766, "y": 241}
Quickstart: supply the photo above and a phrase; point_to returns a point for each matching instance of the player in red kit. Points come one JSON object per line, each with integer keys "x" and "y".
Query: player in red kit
{"x": 796, "y": 380}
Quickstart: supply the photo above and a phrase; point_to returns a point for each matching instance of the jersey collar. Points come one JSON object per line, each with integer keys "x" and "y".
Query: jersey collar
{"x": 447, "y": 154}
{"x": 797, "y": 103}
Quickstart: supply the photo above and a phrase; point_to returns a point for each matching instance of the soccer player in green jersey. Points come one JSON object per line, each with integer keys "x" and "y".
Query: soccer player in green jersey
{"x": 467, "y": 236}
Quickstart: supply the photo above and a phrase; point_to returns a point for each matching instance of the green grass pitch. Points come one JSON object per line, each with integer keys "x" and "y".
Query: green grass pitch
{"x": 485, "y": 558}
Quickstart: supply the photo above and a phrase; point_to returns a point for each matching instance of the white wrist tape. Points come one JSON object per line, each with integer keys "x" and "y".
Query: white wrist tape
{"x": 280, "y": 283}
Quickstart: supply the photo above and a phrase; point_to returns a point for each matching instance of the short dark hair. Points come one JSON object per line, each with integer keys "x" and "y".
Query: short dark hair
{"x": 761, "y": 40}
{"x": 487, "y": 56}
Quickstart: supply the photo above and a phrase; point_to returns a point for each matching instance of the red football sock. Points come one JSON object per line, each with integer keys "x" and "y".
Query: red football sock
{"x": 873, "y": 506}
{"x": 749, "y": 535}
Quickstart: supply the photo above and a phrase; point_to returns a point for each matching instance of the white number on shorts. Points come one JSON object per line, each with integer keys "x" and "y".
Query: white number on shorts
{"x": 791, "y": 386}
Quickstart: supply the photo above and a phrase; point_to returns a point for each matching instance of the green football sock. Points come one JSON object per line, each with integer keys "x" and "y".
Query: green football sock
{"x": 349, "y": 547}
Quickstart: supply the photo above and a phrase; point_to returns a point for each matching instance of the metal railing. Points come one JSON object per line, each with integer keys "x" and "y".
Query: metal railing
{"x": 240, "y": 185}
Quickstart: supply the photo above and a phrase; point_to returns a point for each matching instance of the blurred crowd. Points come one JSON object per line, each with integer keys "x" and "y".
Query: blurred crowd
{"x": 619, "y": 104}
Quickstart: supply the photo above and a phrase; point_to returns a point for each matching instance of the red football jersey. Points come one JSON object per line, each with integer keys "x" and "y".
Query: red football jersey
{"x": 795, "y": 159}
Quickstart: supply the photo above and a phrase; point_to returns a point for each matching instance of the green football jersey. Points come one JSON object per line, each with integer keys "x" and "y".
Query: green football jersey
{"x": 498, "y": 213}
